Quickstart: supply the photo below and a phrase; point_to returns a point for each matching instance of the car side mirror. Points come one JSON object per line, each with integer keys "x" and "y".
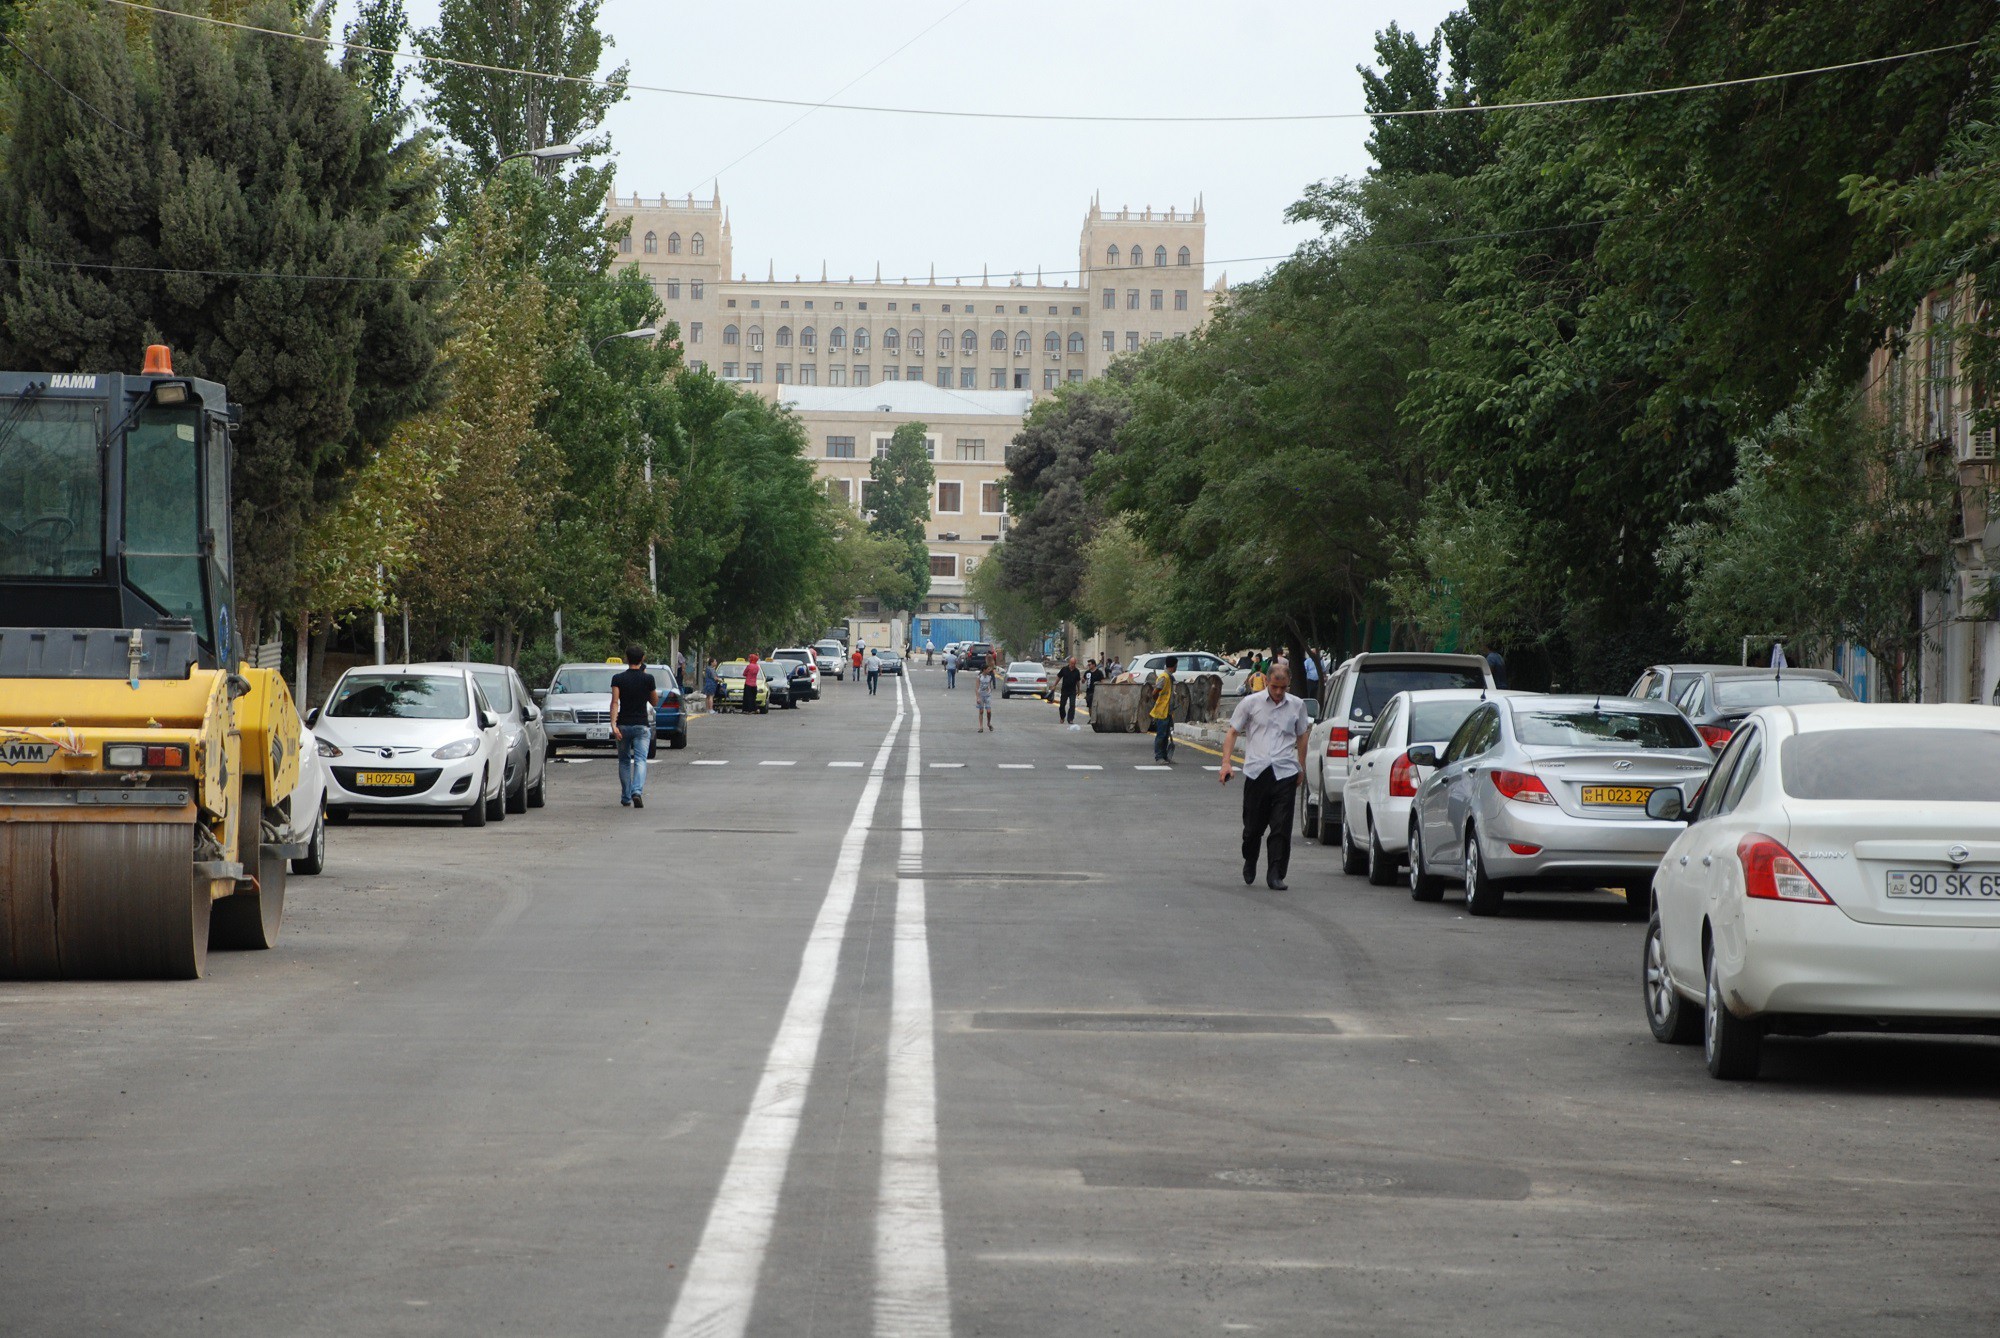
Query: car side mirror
{"x": 312, "y": 716}
{"x": 539, "y": 694}
{"x": 1423, "y": 755}
{"x": 1360, "y": 744}
{"x": 487, "y": 720}
{"x": 534, "y": 713}
{"x": 1665, "y": 805}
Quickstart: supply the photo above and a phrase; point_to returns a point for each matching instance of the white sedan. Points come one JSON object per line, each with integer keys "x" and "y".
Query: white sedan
{"x": 1381, "y": 779}
{"x": 1026, "y": 677}
{"x": 1839, "y": 872}
{"x": 403, "y": 740}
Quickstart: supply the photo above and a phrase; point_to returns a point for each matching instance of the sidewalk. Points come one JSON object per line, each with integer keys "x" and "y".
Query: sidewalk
{"x": 1206, "y": 736}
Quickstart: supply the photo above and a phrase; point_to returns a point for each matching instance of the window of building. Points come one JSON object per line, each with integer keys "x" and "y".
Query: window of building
{"x": 836, "y": 337}
{"x": 892, "y": 306}
{"x": 841, "y": 488}
{"x": 860, "y": 339}
{"x": 916, "y": 343}
{"x": 1160, "y": 257}
{"x": 950, "y": 498}
{"x": 892, "y": 340}
{"x": 1131, "y": 299}
{"x": 913, "y": 373}
{"x": 673, "y": 243}
{"x": 861, "y": 375}
{"x": 1076, "y": 341}
{"x": 808, "y": 374}
{"x": 698, "y": 246}
{"x": 1052, "y": 342}
{"x": 730, "y": 335}
{"x": 944, "y": 378}
{"x": 1159, "y": 299}
{"x": 861, "y": 306}
{"x": 999, "y": 308}
{"x": 892, "y": 373}
{"x": 1021, "y": 379}
{"x": 840, "y": 448}
{"x": 673, "y": 290}
{"x": 1111, "y": 299}
{"x": 1110, "y": 341}
{"x": 972, "y": 448}
{"x": 916, "y": 306}
{"x": 991, "y": 501}
{"x": 968, "y": 343}
{"x": 1111, "y": 255}
{"x": 1024, "y": 311}
{"x": 1138, "y": 256}
{"x": 1022, "y": 346}
{"x": 1076, "y": 373}
{"x": 809, "y": 339}
{"x": 999, "y": 341}
{"x": 809, "y": 305}
{"x": 625, "y": 243}
{"x": 868, "y": 497}
{"x": 836, "y": 375}
{"x": 784, "y": 374}
{"x": 694, "y": 332}
{"x": 1131, "y": 339}
{"x": 694, "y": 290}
{"x": 652, "y": 243}
{"x": 998, "y": 380}
{"x": 784, "y": 336}
{"x": 756, "y": 302}
{"x": 965, "y": 378}
{"x": 785, "y": 304}
{"x": 1180, "y": 299}
{"x": 945, "y": 565}
{"x": 881, "y": 444}
{"x": 1187, "y": 256}
{"x": 730, "y": 371}
{"x": 753, "y": 372}
{"x": 756, "y": 335}
{"x": 1154, "y": 337}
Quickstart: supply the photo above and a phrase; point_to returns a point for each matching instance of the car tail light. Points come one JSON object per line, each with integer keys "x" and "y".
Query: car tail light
{"x": 1522, "y": 785}
{"x": 1714, "y": 735}
{"x": 129, "y": 755}
{"x": 1336, "y": 741}
{"x": 1402, "y": 778}
{"x": 674, "y": 700}
{"x": 1523, "y": 848}
{"x": 1773, "y": 873}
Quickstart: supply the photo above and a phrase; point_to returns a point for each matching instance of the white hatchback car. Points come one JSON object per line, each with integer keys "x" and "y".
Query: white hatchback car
{"x": 1381, "y": 779}
{"x": 400, "y": 739}
{"x": 305, "y": 827}
{"x": 1839, "y": 872}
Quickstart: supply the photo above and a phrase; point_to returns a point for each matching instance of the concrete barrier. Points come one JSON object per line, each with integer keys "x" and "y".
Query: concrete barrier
{"x": 1127, "y": 708}
{"x": 1114, "y": 708}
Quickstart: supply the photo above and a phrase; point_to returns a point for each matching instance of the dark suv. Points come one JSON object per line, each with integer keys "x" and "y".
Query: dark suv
{"x": 978, "y": 654}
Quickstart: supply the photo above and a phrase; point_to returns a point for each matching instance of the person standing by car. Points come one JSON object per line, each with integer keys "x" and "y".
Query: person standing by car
{"x": 950, "y": 668}
{"x": 1162, "y": 714}
{"x": 752, "y": 671}
{"x": 633, "y": 695}
{"x": 873, "y": 664}
{"x": 1273, "y": 725}
{"x": 982, "y": 696}
{"x": 709, "y": 684}
{"x": 1068, "y": 679}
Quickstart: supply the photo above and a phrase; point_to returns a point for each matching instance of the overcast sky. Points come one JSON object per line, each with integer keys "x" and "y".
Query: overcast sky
{"x": 851, "y": 189}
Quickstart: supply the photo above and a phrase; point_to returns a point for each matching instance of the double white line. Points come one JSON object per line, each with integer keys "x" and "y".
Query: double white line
{"x": 912, "y": 1293}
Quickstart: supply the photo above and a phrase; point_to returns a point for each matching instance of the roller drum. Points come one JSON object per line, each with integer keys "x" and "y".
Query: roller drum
{"x": 101, "y": 900}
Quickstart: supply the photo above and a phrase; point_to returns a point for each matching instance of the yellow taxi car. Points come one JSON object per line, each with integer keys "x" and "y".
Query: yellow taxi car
{"x": 729, "y": 682}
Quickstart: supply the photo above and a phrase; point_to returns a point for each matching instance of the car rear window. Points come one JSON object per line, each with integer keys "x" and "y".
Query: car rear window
{"x": 1922, "y": 765}
{"x": 583, "y": 679}
{"x": 1734, "y": 694}
{"x": 1585, "y": 728}
{"x": 799, "y": 655}
{"x": 401, "y": 697}
{"x": 1374, "y": 688}
{"x": 1434, "y": 722}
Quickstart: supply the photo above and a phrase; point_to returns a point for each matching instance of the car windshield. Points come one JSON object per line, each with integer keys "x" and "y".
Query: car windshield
{"x": 1934, "y": 766}
{"x": 583, "y": 679}
{"x": 1434, "y": 722}
{"x": 734, "y": 669}
{"x": 499, "y": 691}
{"x": 52, "y": 489}
{"x": 1582, "y": 727}
{"x": 1374, "y": 688}
{"x": 401, "y": 697}
{"x": 1741, "y": 693}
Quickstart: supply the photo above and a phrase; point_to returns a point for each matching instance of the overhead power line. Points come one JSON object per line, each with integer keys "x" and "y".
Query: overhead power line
{"x": 80, "y": 100}
{"x": 949, "y": 113}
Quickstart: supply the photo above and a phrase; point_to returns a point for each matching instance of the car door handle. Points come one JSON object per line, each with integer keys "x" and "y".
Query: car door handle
{"x": 1684, "y": 860}
{"x": 1706, "y": 861}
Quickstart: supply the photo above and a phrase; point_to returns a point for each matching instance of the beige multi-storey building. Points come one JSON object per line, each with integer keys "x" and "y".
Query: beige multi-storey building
{"x": 857, "y": 357}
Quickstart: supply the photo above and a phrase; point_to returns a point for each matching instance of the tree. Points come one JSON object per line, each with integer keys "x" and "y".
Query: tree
{"x": 1055, "y": 517}
{"x": 1124, "y": 585}
{"x": 1017, "y": 619}
{"x": 227, "y": 172}
{"x": 901, "y": 500}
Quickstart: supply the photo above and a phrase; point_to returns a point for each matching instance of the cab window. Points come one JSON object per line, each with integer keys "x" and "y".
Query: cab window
{"x": 1466, "y": 743}
{"x": 1718, "y": 779}
{"x": 1748, "y": 763}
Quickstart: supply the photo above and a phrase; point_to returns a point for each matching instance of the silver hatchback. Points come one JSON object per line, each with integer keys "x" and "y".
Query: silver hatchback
{"x": 1551, "y": 792}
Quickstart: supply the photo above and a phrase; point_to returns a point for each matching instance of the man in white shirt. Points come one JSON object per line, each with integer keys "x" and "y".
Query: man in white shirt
{"x": 1273, "y": 725}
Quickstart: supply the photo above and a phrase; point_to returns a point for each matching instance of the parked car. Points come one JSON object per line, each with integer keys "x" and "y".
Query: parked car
{"x": 408, "y": 740}
{"x": 976, "y": 655}
{"x": 804, "y": 656}
{"x": 1026, "y": 677}
{"x": 305, "y": 827}
{"x": 1839, "y": 872}
{"x": 1663, "y": 682}
{"x": 891, "y": 662}
{"x": 831, "y": 659}
{"x": 1351, "y": 699}
{"x": 1551, "y": 791}
{"x": 521, "y": 724}
{"x": 1715, "y": 701}
{"x": 576, "y": 708}
{"x": 1382, "y": 780}
{"x": 730, "y": 691}
{"x": 1187, "y": 662}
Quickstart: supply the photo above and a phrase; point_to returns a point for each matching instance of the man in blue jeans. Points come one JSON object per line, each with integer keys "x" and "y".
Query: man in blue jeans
{"x": 633, "y": 695}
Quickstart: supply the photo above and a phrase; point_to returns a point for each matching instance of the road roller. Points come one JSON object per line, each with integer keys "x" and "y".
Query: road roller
{"x": 145, "y": 769}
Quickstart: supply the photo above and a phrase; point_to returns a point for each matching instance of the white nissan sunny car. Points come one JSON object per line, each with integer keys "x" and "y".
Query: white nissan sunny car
{"x": 399, "y": 739}
{"x": 1839, "y": 872}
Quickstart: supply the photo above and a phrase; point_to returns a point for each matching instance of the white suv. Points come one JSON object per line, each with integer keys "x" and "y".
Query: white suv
{"x": 1353, "y": 695}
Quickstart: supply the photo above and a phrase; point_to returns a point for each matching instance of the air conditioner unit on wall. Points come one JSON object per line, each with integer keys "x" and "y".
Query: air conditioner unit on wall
{"x": 1980, "y": 445}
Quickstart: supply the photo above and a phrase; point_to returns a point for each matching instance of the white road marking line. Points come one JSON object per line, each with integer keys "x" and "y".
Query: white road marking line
{"x": 1017, "y": 766}
{"x": 1152, "y": 766}
{"x": 791, "y": 763}
{"x": 912, "y": 1285}
{"x": 710, "y": 762}
{"x": 843, "y": 764}
{"x": 1085, "y": 766}
{"x": 721, "y": 1280}
{"x": 1211, "y": 766}
{"x": 945, "y": 766}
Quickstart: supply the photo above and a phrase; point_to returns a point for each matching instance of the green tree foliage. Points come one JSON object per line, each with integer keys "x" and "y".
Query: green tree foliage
{"x": 901, "y": 499}
{"x": 218, "y": 169}
{"x": 1124, "y": 584}
{"x": 1048, "y": 477}
{"x": 1015, "y": 618}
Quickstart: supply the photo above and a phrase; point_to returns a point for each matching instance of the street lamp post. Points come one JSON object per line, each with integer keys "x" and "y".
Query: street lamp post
{"x": 550, "y": 153}
{"x": 643, "y": 332}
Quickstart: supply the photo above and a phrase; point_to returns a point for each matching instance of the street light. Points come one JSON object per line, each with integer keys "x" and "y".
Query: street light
{"x": 550, "y": 153}
{"x": 643, "y": 332}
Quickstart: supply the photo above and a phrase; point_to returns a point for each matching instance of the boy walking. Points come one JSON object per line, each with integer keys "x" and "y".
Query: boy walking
{"x": 633, "y": 695}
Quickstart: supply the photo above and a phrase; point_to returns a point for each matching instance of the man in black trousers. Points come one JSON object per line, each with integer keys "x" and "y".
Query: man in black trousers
{"x": 1273, "y": 725}
{"x": 1068, "y": 679}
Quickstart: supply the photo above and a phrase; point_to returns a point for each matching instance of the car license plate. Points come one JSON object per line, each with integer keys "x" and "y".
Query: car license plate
{"x": 1981, "y": 885}
{"x": 1633, "y": 795}
{"x": 598, "y": 733}
{"x": 387, "y": 780}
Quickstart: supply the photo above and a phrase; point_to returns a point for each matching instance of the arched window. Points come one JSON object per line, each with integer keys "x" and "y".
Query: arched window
{"x": 1076, "y": 341}
{"x": 916, "y": 343}
{"x": 1022, "y": 345}
{"x": 1052, "y": 342}
{"x": 837, "y": 337}
{"x": 698, "y": 246}
{"x": 1160, "y": 256}
{"x": 756, "y": 338}
{"x": 860, "y": 339}
{"x": 999, "y": 341}
{"x": 652, "y": 243}
{"x": 944, "y": 343}
{"x": 729, "y": 334}
{"x": 809, "y": 339}
{"x": 784, "y": 336}
{"x": 625, "y": 243}
{"x": 673, "y": 243}
{"x": 968, "y": 342}
{"x": 1187, "y": 256}
{"x": 1111, "y": 256}
{"x": 1138, "y": 256}
{"x": 892, "y": 340}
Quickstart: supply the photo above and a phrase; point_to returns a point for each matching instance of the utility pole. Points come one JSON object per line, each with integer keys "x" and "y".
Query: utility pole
{"x": 381, "y": 636}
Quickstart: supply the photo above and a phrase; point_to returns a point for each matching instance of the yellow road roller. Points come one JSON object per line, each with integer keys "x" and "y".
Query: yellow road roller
{"x": 145, "y": 770}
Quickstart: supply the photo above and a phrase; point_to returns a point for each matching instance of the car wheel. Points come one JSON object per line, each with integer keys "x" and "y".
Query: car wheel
{"x": 338, "y": 816}
{"x": 1639, "y": 902}
{"x": 476, "y": 815}
{"x": 314, "y": 860}
{"x": 1005, "y": 695}
{"x": 550, "y": 752}
{"x": 1424, "y": 886}
{"x": 538, "y": 793}
{"x": 1673, "y": 1020}
{"x": 1381, "y": 869}
{"x": 652, "y": 747}
{"x": 1309, "y": 819}
{"x": 1733, "y": 1046}
{"x": 678, "y": 740}
{"x": 1482, "y": 894}
{"x": 1330, "y": 819}
{"x": 1353, "y": 859}
{"x": 496, "y": 807}
{"x": 517, "y": 802}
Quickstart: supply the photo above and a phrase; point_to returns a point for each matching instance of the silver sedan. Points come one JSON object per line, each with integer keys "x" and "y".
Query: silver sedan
{"x": 1551, "y": 791}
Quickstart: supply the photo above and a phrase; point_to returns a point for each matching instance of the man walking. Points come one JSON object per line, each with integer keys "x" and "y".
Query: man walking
{"x": 950, "y": 668}
{"x": 855, "y": 676}
{"x": 1068, "y": 679}
{"x": 1093, "y": 674}
{"x": 873, "y": 664}
{"x": 1163, "y": 710}
{"x": 633, "y": 693}
{"x": 1273, "y": 725}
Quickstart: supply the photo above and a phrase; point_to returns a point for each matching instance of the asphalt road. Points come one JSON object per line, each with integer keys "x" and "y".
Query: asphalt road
{"x": 598, "y": 1071}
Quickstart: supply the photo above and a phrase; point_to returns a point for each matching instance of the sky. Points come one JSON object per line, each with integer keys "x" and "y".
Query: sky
{"x": 850, "y": 189}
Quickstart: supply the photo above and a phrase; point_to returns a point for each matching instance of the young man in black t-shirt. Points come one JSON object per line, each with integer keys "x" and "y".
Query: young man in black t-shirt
{"x": 1068, "y": 679}
{"x": 632, "y": 693}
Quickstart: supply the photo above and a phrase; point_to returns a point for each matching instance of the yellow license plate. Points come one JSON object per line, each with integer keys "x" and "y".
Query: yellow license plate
{"x": 387, "y": 779}
{"x": 1634, "y": 795}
